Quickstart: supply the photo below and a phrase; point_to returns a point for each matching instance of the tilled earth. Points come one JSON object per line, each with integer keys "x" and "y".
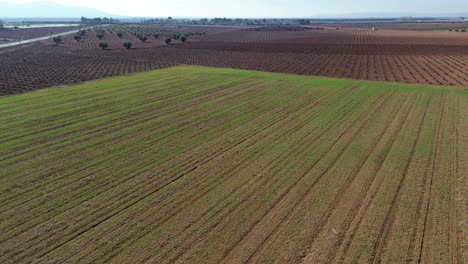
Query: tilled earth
{"x": 395, "y": 56}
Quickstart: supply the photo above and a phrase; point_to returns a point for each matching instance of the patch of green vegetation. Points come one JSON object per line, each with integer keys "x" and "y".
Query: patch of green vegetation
{"x": 167, "y": 160}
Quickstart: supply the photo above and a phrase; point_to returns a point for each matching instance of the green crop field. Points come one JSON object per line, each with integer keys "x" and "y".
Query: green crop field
{"x": 192, "y": 164}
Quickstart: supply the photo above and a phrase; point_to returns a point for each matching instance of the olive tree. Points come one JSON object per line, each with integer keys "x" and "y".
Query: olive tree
{"x": 57, "y": 40}
{"x": 103, "y": 45}
{"x": 127, "y": 45}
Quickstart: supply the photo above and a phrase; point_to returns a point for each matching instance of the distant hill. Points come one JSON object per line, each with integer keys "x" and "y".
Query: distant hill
{"x": 48, "y": 10}
{"x": 391, "y": 15}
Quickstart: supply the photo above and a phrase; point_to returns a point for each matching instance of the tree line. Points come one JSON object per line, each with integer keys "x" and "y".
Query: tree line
{"x": 98, "y": 20}
{"x": 228, "y": 21}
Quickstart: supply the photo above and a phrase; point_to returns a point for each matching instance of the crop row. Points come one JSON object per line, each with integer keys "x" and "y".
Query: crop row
{"x": 166, "y": 166}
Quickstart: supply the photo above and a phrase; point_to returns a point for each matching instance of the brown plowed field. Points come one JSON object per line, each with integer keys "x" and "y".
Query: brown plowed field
{"x": 397, "y": 56}
{"x": 130, "y": 34}
{"x": 424, "y": 26}
{"x": 29, "y": 33}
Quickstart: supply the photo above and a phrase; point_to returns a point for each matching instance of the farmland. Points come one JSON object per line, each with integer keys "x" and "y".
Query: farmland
{"x": 139, "y": 36}
{"x": 410, "y": 25}
{"x": 209, "y": 165}
{"x": 29, "y": 33}
{"x": 415, "y": 57}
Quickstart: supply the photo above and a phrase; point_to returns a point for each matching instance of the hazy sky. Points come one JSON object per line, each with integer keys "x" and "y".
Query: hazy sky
{"x": 262, "y": 8}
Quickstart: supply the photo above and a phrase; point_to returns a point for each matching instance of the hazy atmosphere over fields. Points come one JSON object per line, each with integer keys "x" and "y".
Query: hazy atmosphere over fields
{"x": 268, "y": 8}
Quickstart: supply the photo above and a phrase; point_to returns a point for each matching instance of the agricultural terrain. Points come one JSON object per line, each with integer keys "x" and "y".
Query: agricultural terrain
{"x": 410, "y": 25}
{"x": 416, "y": 57}
{"x": 208, "y": 165}
{"x": 29, "y": 33}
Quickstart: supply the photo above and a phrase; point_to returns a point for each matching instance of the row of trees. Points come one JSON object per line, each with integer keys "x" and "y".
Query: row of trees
{"x": 228, "y": 21}
{"x": 128, "y": 45}
{"x": 168, "y": 37}
{"x": 1, "y": 24}
{"x": 183, "y": 37}
{"x": 104, "y": 45}
{"x": 98, "y": 20}
{"x": 262, "y": 21}
{"x": 142, "y": 38}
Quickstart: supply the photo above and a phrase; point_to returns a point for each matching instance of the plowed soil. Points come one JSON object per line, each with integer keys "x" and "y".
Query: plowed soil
{"x": 29, "y": 33}
{"x": 423, "y": 26}
{"x": 396, "y": 56}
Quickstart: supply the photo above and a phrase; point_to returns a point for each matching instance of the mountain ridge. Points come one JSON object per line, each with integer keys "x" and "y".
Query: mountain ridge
{"x": 49, "y": 10}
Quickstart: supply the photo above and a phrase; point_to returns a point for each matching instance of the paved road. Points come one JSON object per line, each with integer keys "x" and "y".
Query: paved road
{"x": 16, "y": 43}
